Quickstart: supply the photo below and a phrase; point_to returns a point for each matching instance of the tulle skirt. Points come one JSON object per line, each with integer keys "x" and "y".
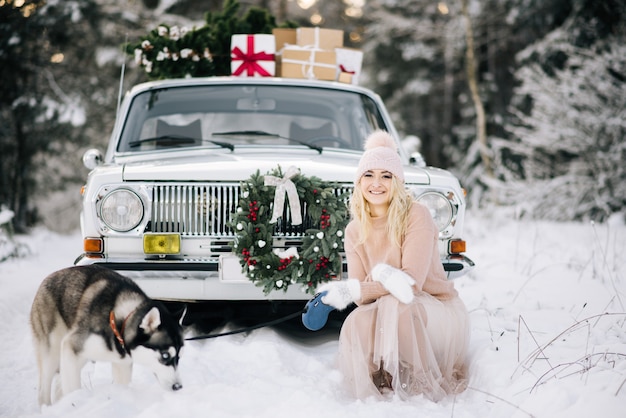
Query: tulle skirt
{"x": 420, "y": 348}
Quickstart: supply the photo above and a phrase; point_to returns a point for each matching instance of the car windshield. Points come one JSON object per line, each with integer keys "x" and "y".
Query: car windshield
{"x": 234, "y": 116}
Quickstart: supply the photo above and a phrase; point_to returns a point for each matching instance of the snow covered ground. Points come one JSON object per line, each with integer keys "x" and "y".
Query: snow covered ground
{"x": 547, "y": 303}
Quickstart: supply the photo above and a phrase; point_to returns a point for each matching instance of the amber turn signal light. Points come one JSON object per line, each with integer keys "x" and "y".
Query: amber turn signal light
{"x": 457, "y": 246}
{"x": 93, "y": 245}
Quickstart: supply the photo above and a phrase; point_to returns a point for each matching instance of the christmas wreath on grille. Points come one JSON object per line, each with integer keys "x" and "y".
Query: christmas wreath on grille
{"x": 262, "y": 202}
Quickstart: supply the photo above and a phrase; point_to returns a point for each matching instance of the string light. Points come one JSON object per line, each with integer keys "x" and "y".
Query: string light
{"x": 316, "y": 18}
{"x": 306, "y": 4}
{"x": 57, "y": 58}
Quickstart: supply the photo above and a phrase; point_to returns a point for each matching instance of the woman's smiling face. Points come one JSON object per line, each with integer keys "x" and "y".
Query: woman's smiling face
{"x": 376, "y": 188}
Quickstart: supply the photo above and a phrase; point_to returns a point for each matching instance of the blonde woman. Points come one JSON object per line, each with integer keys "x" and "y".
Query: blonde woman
{"x": 409, "y": 333}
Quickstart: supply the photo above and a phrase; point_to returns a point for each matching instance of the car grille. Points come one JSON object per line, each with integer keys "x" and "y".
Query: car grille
{"x": 205, "y": 209}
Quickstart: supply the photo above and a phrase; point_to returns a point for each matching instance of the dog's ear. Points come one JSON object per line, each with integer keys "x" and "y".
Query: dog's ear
{"x": 151, "y": 321}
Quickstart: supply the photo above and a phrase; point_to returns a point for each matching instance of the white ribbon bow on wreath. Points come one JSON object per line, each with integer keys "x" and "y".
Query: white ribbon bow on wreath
{"x": 285, "y": 186}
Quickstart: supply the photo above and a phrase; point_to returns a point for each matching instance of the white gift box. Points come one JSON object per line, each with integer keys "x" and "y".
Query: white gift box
{"x": 349, "y": 62}
{"x": 253, "y": 55}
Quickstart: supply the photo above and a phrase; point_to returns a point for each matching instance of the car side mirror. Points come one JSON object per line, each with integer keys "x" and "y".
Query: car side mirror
{"x": 412, "y": 145}
{"x": 92, "y": 158}
{"x": 417, "y": 159}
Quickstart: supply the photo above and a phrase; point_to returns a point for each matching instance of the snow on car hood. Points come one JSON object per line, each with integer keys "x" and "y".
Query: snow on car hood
{"x": 330, "y": 165}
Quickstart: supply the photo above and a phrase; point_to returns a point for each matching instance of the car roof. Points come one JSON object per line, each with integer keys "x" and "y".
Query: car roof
{"x": 257, "y": 81}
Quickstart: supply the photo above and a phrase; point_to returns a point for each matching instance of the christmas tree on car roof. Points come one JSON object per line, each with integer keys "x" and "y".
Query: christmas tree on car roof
{"x": 178, "y": 52}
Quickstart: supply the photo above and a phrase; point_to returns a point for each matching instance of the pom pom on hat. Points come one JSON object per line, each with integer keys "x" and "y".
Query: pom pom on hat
{"x": 380, "y": 139}
{"x": 381, "y": 153}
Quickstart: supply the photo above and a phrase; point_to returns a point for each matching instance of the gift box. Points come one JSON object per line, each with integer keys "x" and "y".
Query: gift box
{"x": 346, "y": 78}
{"x": 284, "y": 37}
{"x": 349, "y": 63}
{"x": 314, "y": 64}
{"x": 253, "y": 55}
{"x": 327, "y": 39}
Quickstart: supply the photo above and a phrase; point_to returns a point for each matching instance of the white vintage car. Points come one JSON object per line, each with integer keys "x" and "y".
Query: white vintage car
{"x": 157, "y": 205}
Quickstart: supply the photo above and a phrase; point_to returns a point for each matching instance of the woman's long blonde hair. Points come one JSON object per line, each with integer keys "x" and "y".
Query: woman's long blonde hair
{"x": 397, "y": 214}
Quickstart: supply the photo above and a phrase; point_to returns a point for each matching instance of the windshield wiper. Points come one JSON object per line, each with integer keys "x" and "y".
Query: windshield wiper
{"x": 221, "y": 144}
{"x": 315, "y": 147}
{"x": 179, "y": 140}
{"x": 263, "y": 133}
{"x": 172, "y": 139}
{"x": 255, "y": 133}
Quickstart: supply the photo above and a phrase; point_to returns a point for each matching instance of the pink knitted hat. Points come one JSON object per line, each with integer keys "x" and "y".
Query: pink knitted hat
{"x": 381, "y": 153}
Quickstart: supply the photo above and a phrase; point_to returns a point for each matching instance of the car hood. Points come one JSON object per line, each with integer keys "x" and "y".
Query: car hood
{"x": 205, "y": 165}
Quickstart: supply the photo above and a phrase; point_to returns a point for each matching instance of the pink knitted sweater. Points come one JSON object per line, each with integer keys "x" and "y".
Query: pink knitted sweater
{"x": 418, "y": 256}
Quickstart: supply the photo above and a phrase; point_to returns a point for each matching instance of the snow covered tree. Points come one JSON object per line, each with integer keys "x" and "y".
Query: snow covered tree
{"x": 566, "y": 158}
{"x": 502, "y": 28}
{"x": 415, "y": 57}
{"x": 37, "y": 109}
{"x": 411, "y": 52}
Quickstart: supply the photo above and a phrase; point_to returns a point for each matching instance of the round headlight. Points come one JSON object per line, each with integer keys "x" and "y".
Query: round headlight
{"x": 121, "y": 210}
{"x": 440, "y": 208}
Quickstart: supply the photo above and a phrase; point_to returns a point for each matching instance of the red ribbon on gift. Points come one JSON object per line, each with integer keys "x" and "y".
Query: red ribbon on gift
{"x": 344, "y": 70}
{"x": 250, "y": 58}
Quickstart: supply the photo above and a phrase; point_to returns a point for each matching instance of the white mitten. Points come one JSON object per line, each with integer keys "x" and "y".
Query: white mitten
{"x": 397, "y": 282}
{"x": 341, "y": 293}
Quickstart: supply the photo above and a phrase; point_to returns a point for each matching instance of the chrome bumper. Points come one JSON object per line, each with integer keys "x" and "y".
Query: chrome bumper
{"x": 457, "y": 265}
{"x": 205, "y": 280}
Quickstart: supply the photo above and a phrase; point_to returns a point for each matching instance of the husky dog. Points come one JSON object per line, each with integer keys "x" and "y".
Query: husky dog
{"x": 90, "y": 313}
